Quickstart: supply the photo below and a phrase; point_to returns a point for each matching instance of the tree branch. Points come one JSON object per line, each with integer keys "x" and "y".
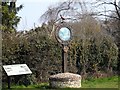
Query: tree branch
{"x": 116, "y": 7}
{"x": 64, "y": 9}
{"x": 105, "y": 15}
{"x": 109, "y": 3}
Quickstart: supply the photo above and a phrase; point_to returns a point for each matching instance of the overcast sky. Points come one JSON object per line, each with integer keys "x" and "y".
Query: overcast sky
{"x": 31, "y": 12}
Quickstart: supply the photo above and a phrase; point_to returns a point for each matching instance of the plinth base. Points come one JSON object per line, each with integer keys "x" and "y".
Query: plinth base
{"x": 65, "y": 80}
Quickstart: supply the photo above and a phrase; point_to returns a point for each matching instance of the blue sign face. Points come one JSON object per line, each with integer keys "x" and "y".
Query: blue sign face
{"x": 64, "y": 34}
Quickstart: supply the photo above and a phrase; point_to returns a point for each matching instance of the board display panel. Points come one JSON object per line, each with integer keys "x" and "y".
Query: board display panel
{"x": 17, "y": 69}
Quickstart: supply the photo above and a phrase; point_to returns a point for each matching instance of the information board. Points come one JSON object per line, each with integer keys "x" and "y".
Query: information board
{"x": 17, "y": 69}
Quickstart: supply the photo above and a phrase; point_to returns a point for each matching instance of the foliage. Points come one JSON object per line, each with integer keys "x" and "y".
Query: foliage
{"x": 90, "y": 52}
{"x": 112, "y": 18}
{"x": 41, "y": 54}
{"x": 9, "y": 17}
{"x": 92, "y": 49}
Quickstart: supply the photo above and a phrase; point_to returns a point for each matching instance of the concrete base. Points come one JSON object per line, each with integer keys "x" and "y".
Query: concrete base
{"x": 65, "y": 80}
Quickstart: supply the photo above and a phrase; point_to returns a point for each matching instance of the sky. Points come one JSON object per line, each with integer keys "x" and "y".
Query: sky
{"x": 31, "y": 12}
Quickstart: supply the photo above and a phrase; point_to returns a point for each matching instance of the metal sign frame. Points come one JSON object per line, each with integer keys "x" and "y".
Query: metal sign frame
{"x": 57, "y": 35}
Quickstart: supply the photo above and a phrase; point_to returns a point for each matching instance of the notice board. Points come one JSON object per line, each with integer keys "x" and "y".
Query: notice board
{"x": 17, "y": 69}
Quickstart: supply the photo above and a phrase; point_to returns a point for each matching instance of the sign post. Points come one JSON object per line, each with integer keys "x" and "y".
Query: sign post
{"x": 64, "y": 58}
{"x": 64, "y": 36}
{"x": 16, "y": 69}
{"x": 8, "y": 77}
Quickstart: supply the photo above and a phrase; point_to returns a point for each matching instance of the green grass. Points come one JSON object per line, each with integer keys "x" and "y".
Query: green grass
{"x": 111, "y": 82}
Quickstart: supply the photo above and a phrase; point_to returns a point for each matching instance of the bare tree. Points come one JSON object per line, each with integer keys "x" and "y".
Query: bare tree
{"x": 112, "y": 24}
{"x": 113, "y": 15}
{"x": 69, "y": 10}
{"x": 108, "y": 4}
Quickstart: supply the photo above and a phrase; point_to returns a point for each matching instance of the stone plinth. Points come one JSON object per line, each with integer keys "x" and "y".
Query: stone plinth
{"x": 65, "y": 80}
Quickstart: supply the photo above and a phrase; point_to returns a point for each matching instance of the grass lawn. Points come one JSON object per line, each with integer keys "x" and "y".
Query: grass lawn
{"x": 111, "y": 82}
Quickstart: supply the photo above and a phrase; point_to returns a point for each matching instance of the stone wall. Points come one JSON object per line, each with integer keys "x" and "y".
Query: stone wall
{"x": 65, "y": 80}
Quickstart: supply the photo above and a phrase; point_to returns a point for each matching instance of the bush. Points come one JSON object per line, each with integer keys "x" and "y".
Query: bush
{"x": 91, "y": 51}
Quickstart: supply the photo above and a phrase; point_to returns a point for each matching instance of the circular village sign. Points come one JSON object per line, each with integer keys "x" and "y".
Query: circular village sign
{"x": 64, "y": 35}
